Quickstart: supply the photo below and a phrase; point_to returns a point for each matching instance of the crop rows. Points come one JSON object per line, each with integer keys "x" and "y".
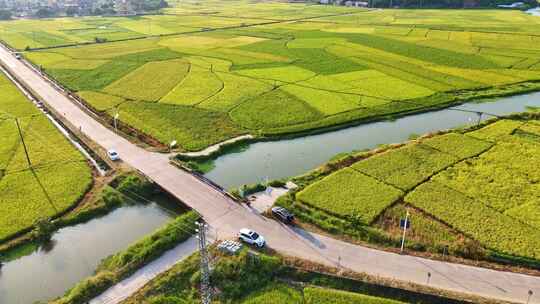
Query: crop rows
{"x": 482, "y": 184}
{"x": 350, "y": 194}
{"x": 502, "y": 177}
{"x": 329, "y": 296}
{"x": 282, "y": 77}
{"x": 496, "y": 130}
{"x": 283, "y": 294}
{"x": 458, "y": 145}
{"x": 151, "y": 81}
{"x": 406, "y": 167}
{"x": 56, "y": 177}
{"x": 491, "y": 228}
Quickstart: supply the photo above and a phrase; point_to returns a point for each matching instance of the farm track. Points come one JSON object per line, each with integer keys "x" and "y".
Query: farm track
{"x": 227, "y": 217}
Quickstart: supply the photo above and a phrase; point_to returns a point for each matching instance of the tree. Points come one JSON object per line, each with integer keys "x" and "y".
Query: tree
{"x": 97, "y": 11}
{"x": 5, "y": 14}
{"x": 44, "y": 230}
{"x": 152, "y": 5}
{"x": 72, "y": 11}
{"x": 44, "y": 13}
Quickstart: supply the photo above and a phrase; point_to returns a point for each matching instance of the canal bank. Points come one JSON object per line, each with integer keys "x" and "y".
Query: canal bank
{"x": 290, "y": 157}
{"x": 74, "y": 253}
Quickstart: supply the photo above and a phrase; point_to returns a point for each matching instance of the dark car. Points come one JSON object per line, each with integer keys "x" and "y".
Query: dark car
{"x": 283, "y": 215}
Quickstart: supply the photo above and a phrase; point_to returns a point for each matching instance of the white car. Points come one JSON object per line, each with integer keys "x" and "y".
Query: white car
{"x": 113, "y": 155}
{"x": 251, "y": 237}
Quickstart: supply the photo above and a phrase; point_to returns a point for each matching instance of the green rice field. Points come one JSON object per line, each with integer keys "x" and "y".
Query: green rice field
{"x": 204, "y": 73}
{"x": 477, "y": 185}
{"x": 274, "y": 283}
{"x": 57, "y": 175}
{"x": 282, "y": 294}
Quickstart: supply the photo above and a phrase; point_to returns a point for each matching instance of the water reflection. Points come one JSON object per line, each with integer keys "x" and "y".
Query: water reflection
{"x": 292, "y": 157}
{"x": 74, "y": 252}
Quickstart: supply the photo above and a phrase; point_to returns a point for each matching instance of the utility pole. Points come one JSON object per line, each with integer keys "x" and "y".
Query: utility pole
{"x": 405, "y": 224}
{"x": 116, "y": 120}
{"x": 206, "y": 292}
{"x": 479, "y": 117}
{"x": 23, "y": 143}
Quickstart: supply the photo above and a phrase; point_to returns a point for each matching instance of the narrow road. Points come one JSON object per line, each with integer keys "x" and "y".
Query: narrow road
{"x": 227, "y": 217}
{"x": 130, "y": 285}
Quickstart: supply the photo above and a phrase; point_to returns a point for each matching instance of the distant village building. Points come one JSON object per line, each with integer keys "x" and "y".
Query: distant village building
{"x": 350, "y": 3}
{"x": 356, "y": 3}
{"x": 123, "y": 7}
{"x": 471, "y": 3}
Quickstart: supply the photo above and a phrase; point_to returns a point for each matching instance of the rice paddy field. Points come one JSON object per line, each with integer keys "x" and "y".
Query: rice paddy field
{"x": 57, "y": 175}
{"x": 283, "y": 294}
{"x": 239, "y": 282}
{"x": 206, "y": 72}
{"x": 476, "y": 185}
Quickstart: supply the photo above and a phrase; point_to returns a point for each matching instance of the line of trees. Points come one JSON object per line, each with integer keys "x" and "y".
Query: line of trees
{"x": 5, "y": 14}
{"x": 449, "y": 3}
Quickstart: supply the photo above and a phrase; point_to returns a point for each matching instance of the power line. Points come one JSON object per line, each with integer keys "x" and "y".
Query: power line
{"x": 49, "y": 199}
{"x": 48, "y": 144}
{"x": 181, "y": 226}
{"x": 23, "y": 143}
{"x": 206, "y": 287}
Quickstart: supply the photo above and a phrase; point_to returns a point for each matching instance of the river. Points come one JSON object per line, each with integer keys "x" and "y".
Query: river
{"x": 75, "y": 253}
{"x": 290, "y": 157}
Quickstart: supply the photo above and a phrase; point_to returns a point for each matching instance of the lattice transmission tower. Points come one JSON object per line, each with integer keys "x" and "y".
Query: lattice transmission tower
{"x": 206, "y": 288}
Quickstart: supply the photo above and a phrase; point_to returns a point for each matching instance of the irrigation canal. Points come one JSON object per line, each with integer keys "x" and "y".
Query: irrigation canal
{"x": 290, "y": 157}
{"x": 76, "y": 251}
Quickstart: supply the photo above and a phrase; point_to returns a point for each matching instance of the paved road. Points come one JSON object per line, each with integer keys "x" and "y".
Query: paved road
{"x": 130, "y": 285}
{"x": 227, "y": 217}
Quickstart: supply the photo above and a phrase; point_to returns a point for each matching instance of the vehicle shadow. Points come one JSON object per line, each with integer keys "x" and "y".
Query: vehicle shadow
{"x": 308, "y": 237}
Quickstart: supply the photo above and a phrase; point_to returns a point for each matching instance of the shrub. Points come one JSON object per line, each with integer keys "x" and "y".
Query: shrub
{"x": 85, "y": 291}
{"x": 44, "y": 230}
{"x": 244, "y": 272}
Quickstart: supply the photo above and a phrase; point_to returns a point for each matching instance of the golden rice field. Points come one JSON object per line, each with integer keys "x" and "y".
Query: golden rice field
{"x": 480, "y": 184}
{"x": 57, "y": 175}
{"x": 209, "y": 72}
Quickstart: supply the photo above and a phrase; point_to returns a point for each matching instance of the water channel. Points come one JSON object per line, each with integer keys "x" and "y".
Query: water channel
{"x": 290, "y": 157}
{"x": 75, "y": 252}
